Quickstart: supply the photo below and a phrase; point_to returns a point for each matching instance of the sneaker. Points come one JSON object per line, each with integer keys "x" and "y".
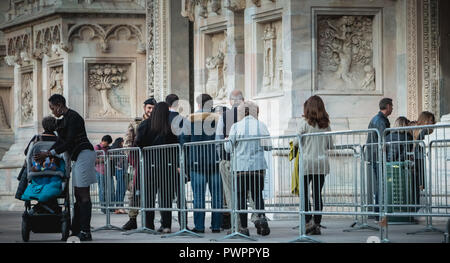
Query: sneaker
{"x": 262, "y": 227}
{"x": 215, "y": 230}
{"x": 85, "y": 236}
{"x": 131, "y": 224}
{"x": 195, "y": 230}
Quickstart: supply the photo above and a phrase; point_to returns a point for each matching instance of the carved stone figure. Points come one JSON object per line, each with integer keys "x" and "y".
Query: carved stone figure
{"x": 345, "y": 52}
{"x": 215, "y": 82}
{"x": 56, "y": 80}
{"x": 269, "y": 57}
{"x": 27, "y": 97}
{"x": 104, "y": 78}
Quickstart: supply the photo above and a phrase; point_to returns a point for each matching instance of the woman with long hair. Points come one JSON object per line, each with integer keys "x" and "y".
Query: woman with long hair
{"x": 161, "y": 170}
{"x": 425, "y": 118}
{"x": 315, "y": 162}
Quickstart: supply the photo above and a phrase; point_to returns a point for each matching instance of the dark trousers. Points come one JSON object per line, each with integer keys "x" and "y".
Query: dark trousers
{"x": 376, "y": 174}
{"x": 160, "y": 184}
{"x": 317, "y": 185}
{"x": 252, "y": 181}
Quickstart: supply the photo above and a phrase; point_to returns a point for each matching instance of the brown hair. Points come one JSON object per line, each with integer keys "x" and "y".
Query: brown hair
{"x": 401, "y": 122}
{"x": 315, "y": 113}
{"x": 425, "y": 118}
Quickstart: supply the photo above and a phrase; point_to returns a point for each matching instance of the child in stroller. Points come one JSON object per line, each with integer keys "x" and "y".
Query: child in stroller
{"x": 48, "y": 183}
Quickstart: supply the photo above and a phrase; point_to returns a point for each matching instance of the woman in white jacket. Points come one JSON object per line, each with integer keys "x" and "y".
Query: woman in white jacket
{"x": 314, "y": 156}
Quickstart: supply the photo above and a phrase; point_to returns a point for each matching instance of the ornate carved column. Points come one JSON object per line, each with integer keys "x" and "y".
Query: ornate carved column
{"x": 430, "y": 91}
{"x": 161, "y": 55}
{"x": 412, "y": 63}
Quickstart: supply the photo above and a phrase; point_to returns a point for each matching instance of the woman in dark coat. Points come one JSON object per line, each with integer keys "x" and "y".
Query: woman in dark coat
{"x": 161, "y": 165}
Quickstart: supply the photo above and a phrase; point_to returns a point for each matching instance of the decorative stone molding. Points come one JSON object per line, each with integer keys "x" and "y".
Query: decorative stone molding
{"x": 412, "y": 82}
{"x": 105, "y": 32}
{"x": 430, "y": 91}
{"x": 26, "y": 97}
{"x": 234, "y": 5}
{"x": 105, "y": 78}
{"x": 20, "y": 8}
{"x": 48, "y": 41}
{"x": 204, "y": 8}
{"x": 258, "y": 2}
{"x": 161, "y": 58}
{"x": 18, "y": 49}
{"x": 150, "y": 21}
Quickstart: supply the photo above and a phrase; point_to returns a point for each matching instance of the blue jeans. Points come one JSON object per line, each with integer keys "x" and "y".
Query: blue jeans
{"x": 121, "y": 187}
{"x": 198, "y": 183}
{"x": 101, "y": 181}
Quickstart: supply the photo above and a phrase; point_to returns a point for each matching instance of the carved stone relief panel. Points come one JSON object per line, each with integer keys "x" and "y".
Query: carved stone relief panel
{"x": 216, "y": 66}
{"x": 56, "y": 80}
{"x": 346, "y": 60}
{"x": 272, "y": 38}
{"x": 108, "y": 91}
{"x": 26, "y": 98}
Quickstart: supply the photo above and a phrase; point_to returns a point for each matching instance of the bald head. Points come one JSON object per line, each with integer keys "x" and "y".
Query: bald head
{"x": 236, "y": 97}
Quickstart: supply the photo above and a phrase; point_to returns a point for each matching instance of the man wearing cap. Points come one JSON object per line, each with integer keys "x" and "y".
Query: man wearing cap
{"x": 130, "y": 139}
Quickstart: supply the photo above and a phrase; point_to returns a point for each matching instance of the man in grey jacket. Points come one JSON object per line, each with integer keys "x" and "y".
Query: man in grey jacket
{"x": 248, "y": 163}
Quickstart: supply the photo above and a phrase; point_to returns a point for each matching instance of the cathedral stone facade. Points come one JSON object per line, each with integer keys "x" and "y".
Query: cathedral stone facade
{"x": 107, "y": 56}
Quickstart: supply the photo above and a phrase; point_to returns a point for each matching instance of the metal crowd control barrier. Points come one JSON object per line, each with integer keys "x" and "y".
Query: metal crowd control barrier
{"x": 118, "y": 174}
{"x": 261, "y": 173}
{"x": 204, "y": 191}
{"x": 417, "y": 179}
{"x": 331, "y": 163}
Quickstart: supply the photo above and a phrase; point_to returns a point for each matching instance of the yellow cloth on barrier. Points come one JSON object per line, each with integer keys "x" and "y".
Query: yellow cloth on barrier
{"x": 294, "y": 153}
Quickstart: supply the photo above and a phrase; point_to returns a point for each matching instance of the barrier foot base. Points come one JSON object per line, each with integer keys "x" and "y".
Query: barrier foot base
{"x": 427, "y": 229}
{"x": 361, "y": 226}
{"x": 107, "y": 227}
{"x": 141, "y": 230}
{"x": 233, "y": 236}
{"x": 305, "y": 238}
{"x": 183, "y": 232}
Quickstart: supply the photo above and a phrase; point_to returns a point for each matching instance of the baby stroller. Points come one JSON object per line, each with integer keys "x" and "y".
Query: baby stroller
{"x": 52, "y": 216}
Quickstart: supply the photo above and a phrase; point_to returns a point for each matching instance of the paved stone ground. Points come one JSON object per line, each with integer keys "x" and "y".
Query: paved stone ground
{"x": 281, "y": 231}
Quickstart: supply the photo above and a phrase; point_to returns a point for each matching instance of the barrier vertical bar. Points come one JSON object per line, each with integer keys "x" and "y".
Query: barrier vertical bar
{"x": 184, "y": 231}
{"x": 107, "y": 192}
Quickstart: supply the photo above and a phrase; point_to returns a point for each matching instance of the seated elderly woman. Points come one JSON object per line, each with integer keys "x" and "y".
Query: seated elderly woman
{"x": 248, "y": 162}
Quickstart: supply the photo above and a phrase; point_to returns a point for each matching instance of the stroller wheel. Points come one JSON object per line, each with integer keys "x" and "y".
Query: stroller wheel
{"x": 25, "y": 230}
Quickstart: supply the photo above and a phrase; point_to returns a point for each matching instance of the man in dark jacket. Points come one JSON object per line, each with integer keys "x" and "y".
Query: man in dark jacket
{"x": 202, "y": 162}
{"x": 227, "y": 119}
{"x": 379, "y": 122}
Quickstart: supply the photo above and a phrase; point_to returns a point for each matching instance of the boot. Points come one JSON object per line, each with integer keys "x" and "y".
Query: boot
{"x": 226, "y": 223}
{"x": 76, "y": 219}
{"x": 149, "y": 220}
{"x": 262, "y": 226}
{"x": 85, "y": 219}
{"x": 131, "y": 224}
